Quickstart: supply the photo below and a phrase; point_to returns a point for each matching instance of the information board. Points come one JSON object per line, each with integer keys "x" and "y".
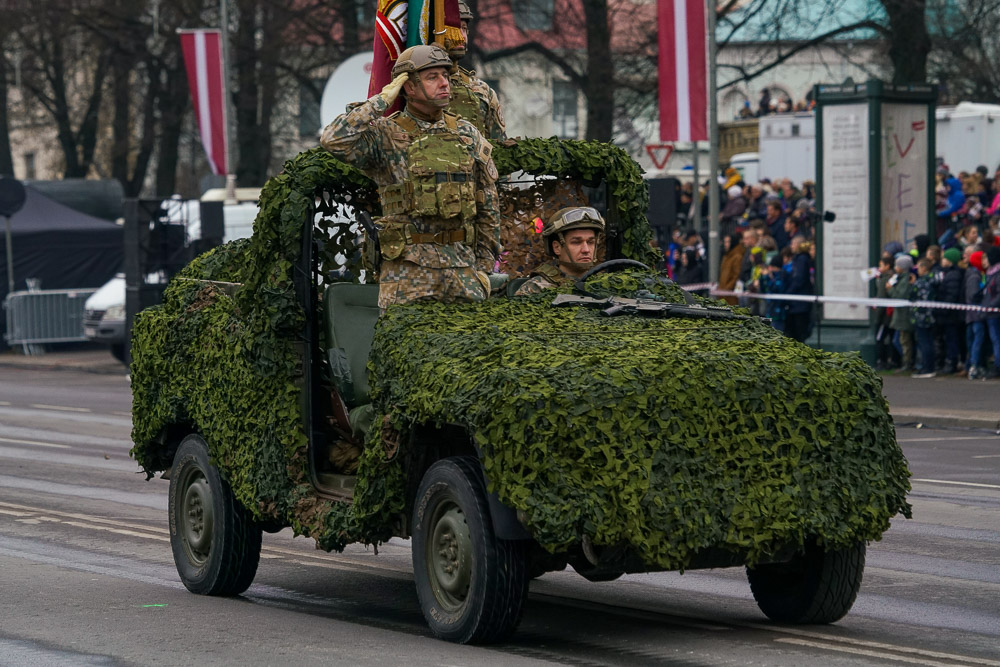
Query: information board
{"x": 845, "y": 187}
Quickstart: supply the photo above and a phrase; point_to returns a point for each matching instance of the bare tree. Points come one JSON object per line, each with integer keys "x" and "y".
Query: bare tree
{"x": 966, "y": 57}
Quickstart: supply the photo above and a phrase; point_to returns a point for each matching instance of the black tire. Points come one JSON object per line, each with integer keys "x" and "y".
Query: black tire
{"x": 118, "y": 352}
{"x": 471, "y": 585}
{"x": 215, "y": 541}
{"x": 816, "y": 586}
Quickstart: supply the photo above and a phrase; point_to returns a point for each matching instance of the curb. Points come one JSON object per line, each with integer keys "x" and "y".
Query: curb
{"x": 923, "y": 420}
{"x": 114, "y": 368}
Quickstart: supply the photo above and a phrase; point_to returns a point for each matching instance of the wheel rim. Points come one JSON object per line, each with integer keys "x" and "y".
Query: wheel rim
{"x": 449, "y": 556}
{"x": 196, "y": 519}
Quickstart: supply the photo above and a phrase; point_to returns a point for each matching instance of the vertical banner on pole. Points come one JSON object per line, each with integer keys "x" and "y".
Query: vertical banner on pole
{"x": 683, "y": 70}
{"x": 203, "y": 60}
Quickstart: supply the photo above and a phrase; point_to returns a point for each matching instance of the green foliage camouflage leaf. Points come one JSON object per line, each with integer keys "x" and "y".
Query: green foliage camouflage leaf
{"x": 673, "y": 436}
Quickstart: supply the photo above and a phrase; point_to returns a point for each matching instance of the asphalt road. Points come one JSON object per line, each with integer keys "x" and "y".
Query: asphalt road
{"x": 88, "y": 579}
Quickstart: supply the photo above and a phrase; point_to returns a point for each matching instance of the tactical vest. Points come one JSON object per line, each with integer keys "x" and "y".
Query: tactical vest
{"x": 550, "y": 272}
{"x": 439, "y": 188}
{"x": 464, "y": 102}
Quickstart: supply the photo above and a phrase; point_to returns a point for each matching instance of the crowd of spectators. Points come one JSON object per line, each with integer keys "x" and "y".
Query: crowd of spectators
{"x": 768, "y": 105}
{"x": 768, "y": 232}
{"x": 769, "y": 247}
{"x": 929, "y": 341}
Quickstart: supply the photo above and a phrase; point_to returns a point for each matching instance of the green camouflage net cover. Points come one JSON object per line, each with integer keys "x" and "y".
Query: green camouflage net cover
{"x": 673, "y": 436}
{"x": 670, "y": 435}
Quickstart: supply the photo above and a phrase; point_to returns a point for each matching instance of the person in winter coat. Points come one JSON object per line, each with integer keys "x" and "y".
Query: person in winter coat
{"x": 991, "y": 299}
{"x": 731, "y": 215}
{"x": 885, "y": 354}
{"x": 956, "y": 199}
{"x": 690, "y": 270}
{"x": 773, "y": 281}
{"x": 975, "y": 326}
{"x": 949, "y": 323}
{"x": 901, "y": 287}
{"x": 729, "y": 272}
{"x": 923, "y": 319}
{"x": 799, "y": 313}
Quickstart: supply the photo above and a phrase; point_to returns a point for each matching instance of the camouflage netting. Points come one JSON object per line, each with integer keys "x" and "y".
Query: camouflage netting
{"x": 670, "y": 435}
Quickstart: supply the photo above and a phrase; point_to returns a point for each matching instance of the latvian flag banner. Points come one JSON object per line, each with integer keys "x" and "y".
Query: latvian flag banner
{"x": 683, "y": 70}
{"x": 203, "y": 60}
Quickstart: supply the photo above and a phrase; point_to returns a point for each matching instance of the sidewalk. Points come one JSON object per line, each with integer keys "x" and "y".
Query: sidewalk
{"x": 942, "y": 401}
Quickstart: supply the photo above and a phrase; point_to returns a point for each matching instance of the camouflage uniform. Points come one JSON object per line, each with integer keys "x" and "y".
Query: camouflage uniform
{"x": 425, "y": 255}
{"x": 545, "y": 276}
{"x": 473, "y": 100}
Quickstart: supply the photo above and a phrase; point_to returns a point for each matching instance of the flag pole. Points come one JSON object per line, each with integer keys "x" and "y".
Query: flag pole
{"x": 224, "y": 39}
{"x": 713, "y": 152}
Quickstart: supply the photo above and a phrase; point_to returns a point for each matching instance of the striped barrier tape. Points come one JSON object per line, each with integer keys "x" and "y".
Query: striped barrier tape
{"x": 869, "y": 302}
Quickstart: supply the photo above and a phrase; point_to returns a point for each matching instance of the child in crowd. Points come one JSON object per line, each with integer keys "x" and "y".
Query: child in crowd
{"x": 885, "y": 354}
{"x": 901, "y": 287}
{"x": 923, "y": 319}
{"x": 949, "y": 322}
{"x": 975, "y": 325}
{"x": 773, "y": 280}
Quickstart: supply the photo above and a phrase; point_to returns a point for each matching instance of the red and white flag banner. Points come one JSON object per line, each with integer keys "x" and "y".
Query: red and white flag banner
{"x": 203, "y": 59}
{"x": 683, "y": 70}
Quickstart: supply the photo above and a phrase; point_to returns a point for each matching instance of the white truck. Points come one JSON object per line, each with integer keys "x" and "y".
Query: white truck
{"x": 968, "y": 135}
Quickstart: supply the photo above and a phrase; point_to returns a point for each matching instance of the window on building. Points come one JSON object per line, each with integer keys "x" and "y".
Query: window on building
{"x": 309, "y": 120}
{"x": 565, "y": 122}
{"x": 29, "y": 166}
{"x": 533, "y": 14}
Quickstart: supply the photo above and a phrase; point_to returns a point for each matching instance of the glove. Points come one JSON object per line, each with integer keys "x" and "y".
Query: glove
{"x": 391, "y": 90}
{"x": 484, "y": 280}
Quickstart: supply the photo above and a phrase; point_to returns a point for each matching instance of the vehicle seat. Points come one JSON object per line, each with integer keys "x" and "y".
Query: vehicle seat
{"x": 351, "y": 313}
{"x": 515, "y": 284}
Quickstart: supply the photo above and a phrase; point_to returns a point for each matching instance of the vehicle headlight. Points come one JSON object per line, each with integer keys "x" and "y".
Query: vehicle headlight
{"x": 114, "y": 313}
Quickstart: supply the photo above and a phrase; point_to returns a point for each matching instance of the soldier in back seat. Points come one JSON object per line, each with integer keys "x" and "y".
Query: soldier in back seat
{"x": 571, "y": 235}
{"x": 471, "y": 97}
{"x": 440, "y": 231}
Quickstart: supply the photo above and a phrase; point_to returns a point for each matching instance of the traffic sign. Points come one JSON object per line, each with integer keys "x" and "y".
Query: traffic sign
{"x": 659, "y": 154}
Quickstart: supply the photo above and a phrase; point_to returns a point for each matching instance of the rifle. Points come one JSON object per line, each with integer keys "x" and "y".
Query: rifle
{"x": 619, "y": 305}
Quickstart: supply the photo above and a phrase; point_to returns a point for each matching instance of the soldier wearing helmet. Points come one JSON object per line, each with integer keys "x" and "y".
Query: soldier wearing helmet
{"x": 471, "y": 97}
{"x": 572, "y": 235}
{"x": 439, "y": 234}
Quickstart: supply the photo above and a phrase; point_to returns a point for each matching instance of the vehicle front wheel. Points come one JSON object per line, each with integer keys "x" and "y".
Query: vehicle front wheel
{"x": 215, "y": 542}
{"x": 471, "y": 585}
{"x": 816, "y": 586}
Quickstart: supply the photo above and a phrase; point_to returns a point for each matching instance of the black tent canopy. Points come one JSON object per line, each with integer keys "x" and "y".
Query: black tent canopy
{"x": 61, "y": 247}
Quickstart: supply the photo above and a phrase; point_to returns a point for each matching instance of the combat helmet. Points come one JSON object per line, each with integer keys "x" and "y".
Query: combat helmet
{"x": 421, "y": 57}
{"x": 464, "y": 12}
{"x": 570, "y": 218}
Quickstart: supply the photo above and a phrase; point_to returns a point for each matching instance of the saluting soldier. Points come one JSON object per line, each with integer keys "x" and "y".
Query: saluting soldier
{"x": 572, "y": 235}
{"x": 440, "y": 231}
{"x": 471, "y": 97}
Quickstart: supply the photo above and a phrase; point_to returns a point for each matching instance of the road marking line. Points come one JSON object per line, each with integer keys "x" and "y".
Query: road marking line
{"x": 943, "y": 439}
{"x": 118, "y": 531}
{"x": 869, "y": 644}
{"x": 868, "y": 653}
{"x": 987, "y": 456}
{"x": 5, "y": 404}
{"x": 34, "y": 442}
{"x": 972, "y": 484}
{"x": 64, "y": 408}
{"x": 15, "y": 513}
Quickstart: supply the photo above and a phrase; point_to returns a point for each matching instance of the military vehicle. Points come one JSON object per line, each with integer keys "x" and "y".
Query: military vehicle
{"x": 620, "y": 425}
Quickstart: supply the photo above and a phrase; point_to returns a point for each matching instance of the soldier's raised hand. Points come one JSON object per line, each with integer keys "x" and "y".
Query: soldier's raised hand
{"x": 391, "y": 90}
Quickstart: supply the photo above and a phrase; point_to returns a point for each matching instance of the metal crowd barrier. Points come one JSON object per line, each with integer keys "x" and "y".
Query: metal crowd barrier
{"x": 45, "y": 316}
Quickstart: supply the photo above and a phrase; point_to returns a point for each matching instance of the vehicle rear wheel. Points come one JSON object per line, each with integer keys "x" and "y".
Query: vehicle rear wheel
{"x": 471, "y": 585}
{"x": 816, "y": 586}
{"x": 215, "y": 542}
